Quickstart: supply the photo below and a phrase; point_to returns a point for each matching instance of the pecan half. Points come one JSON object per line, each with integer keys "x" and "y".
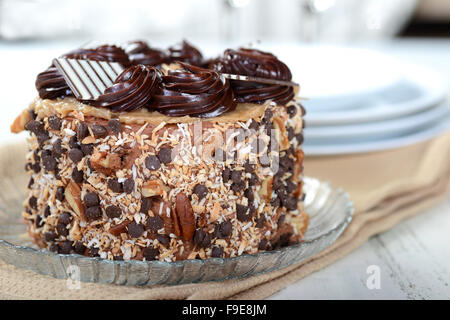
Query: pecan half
{"x": 183, "y": 217}
{"x": 119, "y": 228}
{"x": 72, "y": 194}
{"x": 19, "y": 123}
{"x": 105, "y": 162}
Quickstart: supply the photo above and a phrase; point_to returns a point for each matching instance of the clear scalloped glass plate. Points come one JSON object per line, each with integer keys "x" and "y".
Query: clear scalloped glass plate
{"x": 330, "y": 210}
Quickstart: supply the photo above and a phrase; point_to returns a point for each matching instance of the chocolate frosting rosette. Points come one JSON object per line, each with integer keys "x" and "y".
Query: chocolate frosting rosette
{"x": 187, "y": 53}
{"x": 139, "y": 52}
{"x": 256, "y": 63}
{"x": 193, "y": 91}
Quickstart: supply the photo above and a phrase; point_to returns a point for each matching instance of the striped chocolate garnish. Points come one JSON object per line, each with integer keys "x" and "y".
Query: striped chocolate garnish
{"x": 88, "y": 79}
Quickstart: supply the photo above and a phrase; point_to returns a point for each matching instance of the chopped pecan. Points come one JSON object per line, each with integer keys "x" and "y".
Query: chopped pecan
{"x": 88, "y": 140}
{"x": 105, "y": 162}
{"x": 298, "y": 165}
{"x": 281, "y": 133}
{"x": 266, "y": 188}
{"x": 119, "y": 228}
{"x": 19, "y": 123}
{"x": 183, "y": 217}
{"x": 153, "y": 188}
{"x": 72, "y": 194}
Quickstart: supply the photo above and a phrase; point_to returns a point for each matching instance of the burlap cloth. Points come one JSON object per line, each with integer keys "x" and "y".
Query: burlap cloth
{"x": 386, "y": 188}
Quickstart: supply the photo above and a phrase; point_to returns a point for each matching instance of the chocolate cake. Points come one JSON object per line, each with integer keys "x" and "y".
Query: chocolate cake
{"x": 149, "y": 154}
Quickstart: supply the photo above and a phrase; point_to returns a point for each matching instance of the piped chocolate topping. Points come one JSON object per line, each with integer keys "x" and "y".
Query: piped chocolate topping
{"x": 132, "y": 89}
{"x": 51, "y": 84}
{"x": 256, "y": 63}
{"x": 139, "y": 52}
{"x": 193, "y": 91}
{"x": 187, "y": 53}
{"x": 109, "y": 53}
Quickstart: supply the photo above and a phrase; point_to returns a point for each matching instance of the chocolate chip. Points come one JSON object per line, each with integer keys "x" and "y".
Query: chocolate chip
{"x": 302, "y": 197}
{"x": 115, "y": 185}
{"x": 291, "y": 186}
{"x": 299, "y": 137}
{"x": 73, "y": 142}
{"x": 281, "y": 220}
{"x": 94, "y": 213}
{"x": 79, "y": 247}
{"x": 54, "y": 248}
{"x": 152, "y": 162}
{"x": 146, "y": 204}
{"x": 202, "y": 239}
{"x": 35, "y": 126}
{"x": 114, "y": 125}
{"x": 217, "y": 252}
{"x": 253, "y": 181}
{"x": 268, "y": 114}
{"x": 62, "y": 230}
{"x": 236, "y": 176}
{"x": 58, "y": 150}
{"x": 49, "y": 163}
{"x": 47, "y": 211}
{"x": 291, "y": 111}
{"x": 75, "y": 155}
{"x": 248, "y": 168}
{"x": 91, "y": 199}
{"x": 118, "y": 258}
{"x": 99, "y": 131}
{"x": 254, "y": 125}
{"x": 165, "y": 155}
{"x": 163, "y": 239}
{"x": 54, "y": 122}
{"x": 226, "y": 174}
{"x": 113, "y": 211}
{"x": 261, "y": 221}
{"x": 291, "y": 133}
{"x": 249, "y": 195}
{"x": 60, "y": 193}
{"x": 66, "y": 247}
{"x": 241, "y": 213}
{"x": 223, "y": 230}
{"x": 77, "y": 175}
{"x": 32, "y": 202}
{"x": 65, "y": 218}
{"x": 36, "y": 167}
{"x": 239, "y": 186}
{"x": 50, "y": 236}
{"x": 200, "y": 190}
{"x": 135, "y": 230}
{"x": 30, "y": 182}
{"x": 39, "y": 222}
{"x": 94, "y": 252}
{"x": 154, "y": 223}
{"x": 32, "y": 114}
{"x": 275, "y": 202}
{"x": 263, "y": 244}
{"x": 82, "y": 131}
{"x": 128, "y": 185}
{"x": 42, "y": 137}
{"x": 290, "y": 203}
{"x": 87, "y": 149}
{"x": 150, "y": 253}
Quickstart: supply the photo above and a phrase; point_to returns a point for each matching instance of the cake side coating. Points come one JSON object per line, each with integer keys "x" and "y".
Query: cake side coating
{"x": 142, "y": 186}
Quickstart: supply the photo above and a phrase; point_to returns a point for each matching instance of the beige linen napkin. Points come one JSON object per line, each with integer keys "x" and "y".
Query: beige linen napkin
{"x": 386, "y": 188}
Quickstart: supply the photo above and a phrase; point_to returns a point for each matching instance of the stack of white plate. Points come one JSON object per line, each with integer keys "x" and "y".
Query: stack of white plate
{"x": 361, "y": 101}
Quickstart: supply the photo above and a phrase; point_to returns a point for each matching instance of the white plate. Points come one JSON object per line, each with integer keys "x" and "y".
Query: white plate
{"x": 420, "y": 90}
{"x": 379, "y": 129}
{"x": 331, "y": 148}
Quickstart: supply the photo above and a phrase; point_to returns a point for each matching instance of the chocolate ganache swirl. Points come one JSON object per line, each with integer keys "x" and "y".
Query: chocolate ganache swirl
{"x": 256, "y": 63}
{"x": 109, "y": 53}
{"x": 186, "y": 53}
{"x": 193, "y": 91}
{"x": 132, "y": 89}
{"x": 50, "y": 84}
{"x": 140, "y": 52}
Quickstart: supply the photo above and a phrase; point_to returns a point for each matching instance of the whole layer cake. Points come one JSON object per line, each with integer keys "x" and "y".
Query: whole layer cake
{"x": 172, "y": 161}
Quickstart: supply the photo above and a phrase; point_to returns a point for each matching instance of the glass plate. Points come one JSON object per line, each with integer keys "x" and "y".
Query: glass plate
{"x": 330, "y": 212}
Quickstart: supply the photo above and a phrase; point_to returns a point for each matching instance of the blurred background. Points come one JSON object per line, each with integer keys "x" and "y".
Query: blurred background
{"x": 376, "y": 67}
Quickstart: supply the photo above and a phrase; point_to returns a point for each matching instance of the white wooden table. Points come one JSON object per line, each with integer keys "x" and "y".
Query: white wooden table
{"x": 413, "y": 257}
